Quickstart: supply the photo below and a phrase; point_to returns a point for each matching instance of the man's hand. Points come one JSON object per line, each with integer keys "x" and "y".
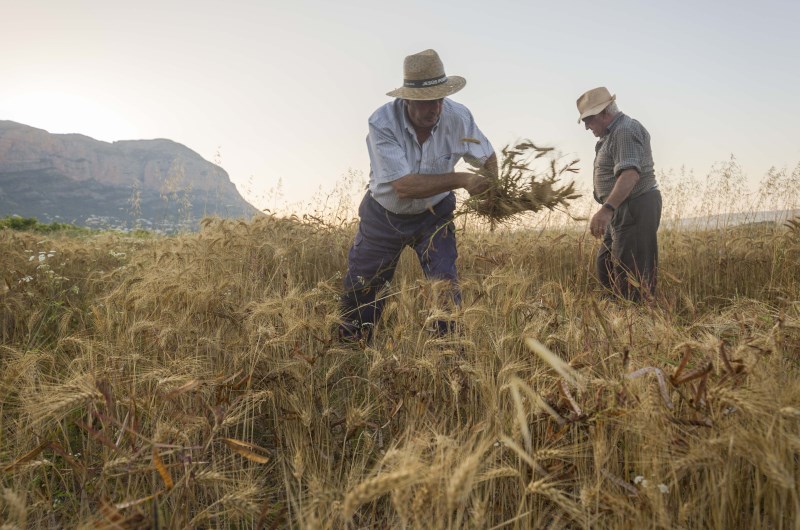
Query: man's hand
{"x": 622, "y": 189}
{"x": 599, "y": 222}
{"x": 476, "y": 184}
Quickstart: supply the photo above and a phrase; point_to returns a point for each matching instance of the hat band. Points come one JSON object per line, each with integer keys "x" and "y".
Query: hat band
{"x": 423, "y": 83}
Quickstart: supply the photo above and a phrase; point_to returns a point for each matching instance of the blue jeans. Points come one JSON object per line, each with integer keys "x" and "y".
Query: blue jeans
{"x": 373, "y": 258}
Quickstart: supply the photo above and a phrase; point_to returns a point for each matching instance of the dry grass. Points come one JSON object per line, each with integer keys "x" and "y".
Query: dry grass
{"x": 193, "y": 382}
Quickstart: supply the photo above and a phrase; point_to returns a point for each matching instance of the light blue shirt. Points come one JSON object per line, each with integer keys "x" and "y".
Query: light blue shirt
{"x": 394, "y": 151}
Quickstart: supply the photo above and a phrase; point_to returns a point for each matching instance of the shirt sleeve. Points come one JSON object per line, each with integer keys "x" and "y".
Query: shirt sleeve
{"x": 477, "y": 151}
{"x": 629, "y": 151}
{"x": 387, "y": 157}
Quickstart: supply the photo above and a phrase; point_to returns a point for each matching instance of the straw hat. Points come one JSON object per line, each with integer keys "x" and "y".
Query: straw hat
{"x": 424, "y": 78}
{"x": 594, "y": 101}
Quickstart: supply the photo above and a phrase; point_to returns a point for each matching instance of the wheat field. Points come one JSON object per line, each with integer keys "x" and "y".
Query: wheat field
{"x": 193, "y": 382}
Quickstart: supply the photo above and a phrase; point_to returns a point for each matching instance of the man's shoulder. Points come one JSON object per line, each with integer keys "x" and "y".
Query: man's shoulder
{"x": 456, "y": 109}
{"x": 628, "y": 121}
{"x": 626, "y": 126}
{"x": 388, "y": 114}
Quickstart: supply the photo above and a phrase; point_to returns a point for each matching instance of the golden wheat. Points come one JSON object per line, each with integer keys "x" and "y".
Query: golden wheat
{"x": 218, "y": 350}
{"x": 376, "y": 487}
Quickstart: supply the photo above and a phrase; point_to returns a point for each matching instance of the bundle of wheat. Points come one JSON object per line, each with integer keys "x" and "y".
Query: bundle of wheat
{"x": 519, "y": 187}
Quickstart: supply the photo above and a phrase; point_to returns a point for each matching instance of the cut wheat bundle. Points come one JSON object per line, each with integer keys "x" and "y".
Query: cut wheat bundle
{"x": 521, "y": 187}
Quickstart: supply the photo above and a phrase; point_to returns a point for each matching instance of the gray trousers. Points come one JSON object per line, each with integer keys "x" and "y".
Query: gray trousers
{"x": 627, "y": 263}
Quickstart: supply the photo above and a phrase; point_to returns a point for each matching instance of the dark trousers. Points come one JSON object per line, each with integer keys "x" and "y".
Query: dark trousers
{"x": 627, "y": 262}
{"x": 373, "y": 258}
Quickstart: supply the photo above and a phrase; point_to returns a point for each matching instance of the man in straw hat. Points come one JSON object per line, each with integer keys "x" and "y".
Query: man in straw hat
{"x": 625, "y": 185}
{"x": 414, "y": 143}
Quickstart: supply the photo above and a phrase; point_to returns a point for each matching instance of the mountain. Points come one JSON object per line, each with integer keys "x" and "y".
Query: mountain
{"x": 71, "y": 178}
{"x": 728, "y": 220}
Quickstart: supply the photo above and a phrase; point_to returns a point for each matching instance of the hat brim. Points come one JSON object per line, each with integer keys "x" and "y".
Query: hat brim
{"x": 597, "y": 109}
{"x": 454, "y": 84}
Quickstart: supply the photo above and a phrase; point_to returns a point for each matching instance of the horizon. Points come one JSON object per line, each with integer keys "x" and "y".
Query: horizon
{"x": 725, "y": 194}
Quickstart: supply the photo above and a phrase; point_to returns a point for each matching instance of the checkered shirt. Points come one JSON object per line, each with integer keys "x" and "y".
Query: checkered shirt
{"x": 625, "y": 146}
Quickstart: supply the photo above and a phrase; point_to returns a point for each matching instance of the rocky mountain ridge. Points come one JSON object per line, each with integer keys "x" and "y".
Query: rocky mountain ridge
{"x": 124, "y": 184}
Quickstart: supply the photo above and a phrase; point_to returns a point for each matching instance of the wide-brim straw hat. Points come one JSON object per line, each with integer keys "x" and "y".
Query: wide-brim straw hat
{"x": 594, "y": 101}
{"x": 424, "y": 78}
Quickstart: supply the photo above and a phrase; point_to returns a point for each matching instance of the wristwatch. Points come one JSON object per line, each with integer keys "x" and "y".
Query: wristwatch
{"x": 607, "y": 205}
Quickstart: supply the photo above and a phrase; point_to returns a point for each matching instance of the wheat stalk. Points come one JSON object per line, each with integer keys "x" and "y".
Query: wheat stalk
{"x": 376, "y": 487}
{"x": 15, "y": 505}
{"x": 519, "y": 188}
{"x": 462, "y": 478}
{"x": 549, "y": 490}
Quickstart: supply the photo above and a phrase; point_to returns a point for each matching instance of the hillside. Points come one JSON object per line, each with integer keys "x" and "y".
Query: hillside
{"x": 157, "y": 184}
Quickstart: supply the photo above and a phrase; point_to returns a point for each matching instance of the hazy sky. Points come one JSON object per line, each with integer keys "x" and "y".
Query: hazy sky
{"x": 283, "y": 89}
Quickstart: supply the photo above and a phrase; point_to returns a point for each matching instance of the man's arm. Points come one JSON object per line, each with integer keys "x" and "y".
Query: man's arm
{"x": 622, "y": 188}
{"x": 420, "y": 186}
{"x": 490, "y": 166}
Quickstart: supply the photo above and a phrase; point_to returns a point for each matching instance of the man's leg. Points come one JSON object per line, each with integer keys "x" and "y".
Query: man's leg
{"x": 436, "y": 250}
{"x": 646, "y": 209}
{"x": 370, "y": 266}
{"x": 635, "y": 246}
{"x": 604, "y": 263}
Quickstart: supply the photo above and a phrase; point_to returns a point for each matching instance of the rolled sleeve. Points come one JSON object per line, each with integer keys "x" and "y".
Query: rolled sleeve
{"x": 630, "y": 151}
{"x": 477, "y": 155}
{"x": 626, "y": 146}
{"x": 386, "y": 156}
{"x": 478, "y": 147}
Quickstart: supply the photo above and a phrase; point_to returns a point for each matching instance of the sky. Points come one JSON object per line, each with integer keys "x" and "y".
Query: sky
{"x": 279, "y": 92}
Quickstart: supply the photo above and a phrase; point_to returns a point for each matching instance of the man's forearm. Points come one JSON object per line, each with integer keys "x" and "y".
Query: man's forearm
{"x": 422, "y": 186}
{"x": 622, "y": 188}
{"x": 417, "y": 186}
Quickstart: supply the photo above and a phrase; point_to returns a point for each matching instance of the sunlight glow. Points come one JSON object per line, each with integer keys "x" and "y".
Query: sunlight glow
{"x": 64, "y": 112}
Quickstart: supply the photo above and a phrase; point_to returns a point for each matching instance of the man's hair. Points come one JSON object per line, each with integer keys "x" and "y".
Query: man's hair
{"x": 612, "y": 109}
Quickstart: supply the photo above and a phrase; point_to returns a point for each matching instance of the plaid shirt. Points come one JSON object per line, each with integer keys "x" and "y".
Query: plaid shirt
{"x": 626, "y": 145}
{"x": 394, "y": 151}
